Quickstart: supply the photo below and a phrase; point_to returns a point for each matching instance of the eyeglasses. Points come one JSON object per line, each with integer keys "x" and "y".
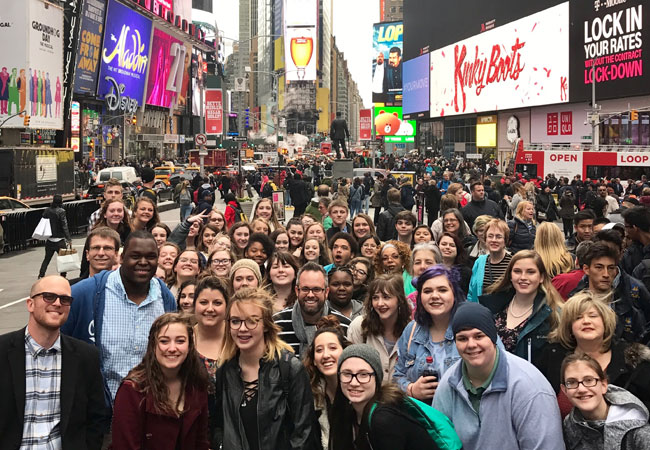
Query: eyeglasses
{"x": 187, "y": 260}
{"x": 362, "y": 377}
{"x": 220, "y": 262}
{"x": 586, "y": 382}
{"x": 498, "y": 237}
{"x": 50, "y": 297}
{"x": 251, "y": 323}
{"x": 306, "y": 290}
{"x": 106, "y": 248}
{"x": 361, "y": 272}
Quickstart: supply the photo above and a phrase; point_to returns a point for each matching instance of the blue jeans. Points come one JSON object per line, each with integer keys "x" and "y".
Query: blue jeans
{"x": 366, "y": 204}
{"x": 355, "y": 207}
{"x": 185, "y": 211}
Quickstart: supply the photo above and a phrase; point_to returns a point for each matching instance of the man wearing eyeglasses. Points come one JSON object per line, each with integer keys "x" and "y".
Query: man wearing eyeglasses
{"x": 494, "y": 398}
{"x": 101, "y": 249}
{"x": 51, "y": 388}
{"x": 298, "y": 322}
{"x": 114, "y": 310}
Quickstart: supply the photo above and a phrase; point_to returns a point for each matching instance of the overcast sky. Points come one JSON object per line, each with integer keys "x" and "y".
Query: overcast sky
{"x": 352, "y": 25}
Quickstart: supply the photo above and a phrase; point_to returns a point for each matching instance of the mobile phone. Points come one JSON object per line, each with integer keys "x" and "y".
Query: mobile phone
{"x": 430, "y": 373}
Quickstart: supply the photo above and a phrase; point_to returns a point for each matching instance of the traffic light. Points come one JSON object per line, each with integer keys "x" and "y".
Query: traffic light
{"x": 26, "y": 121}
{"x": 134, "y": 120}
{"x": 634, "y": 115}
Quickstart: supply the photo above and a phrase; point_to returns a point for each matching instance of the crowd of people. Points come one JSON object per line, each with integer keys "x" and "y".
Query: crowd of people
{"x": 516, "y": 316}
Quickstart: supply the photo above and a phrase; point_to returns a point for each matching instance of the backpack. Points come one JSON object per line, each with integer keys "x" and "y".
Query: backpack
{"x": 437, "y": 425}
{"x": 239, "y": 214}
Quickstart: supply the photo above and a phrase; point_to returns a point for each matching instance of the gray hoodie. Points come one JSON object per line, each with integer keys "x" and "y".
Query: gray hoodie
{"x": 626, "y": 426}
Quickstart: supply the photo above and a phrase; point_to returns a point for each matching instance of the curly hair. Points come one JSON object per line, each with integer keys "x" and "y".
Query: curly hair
{"x": 148, "y": 376}
{"x": 393, "y": 286}
{"x": 404, "y": 255}
{"x": 326, "y": 324}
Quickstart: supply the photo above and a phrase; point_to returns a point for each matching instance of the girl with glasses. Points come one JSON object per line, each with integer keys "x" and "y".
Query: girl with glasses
{"x": 363, "y": 273}
{"x": 217, "y": 219}
{"x": 220, "y": 262}
{"x": 394, "y": 257}
{"x": 604, "y": 416}
{"x": 163, "y": 401}
{"x": 369, "y": 414}
{"x": 368, "y": 246}
{"x": 263, "y": 397}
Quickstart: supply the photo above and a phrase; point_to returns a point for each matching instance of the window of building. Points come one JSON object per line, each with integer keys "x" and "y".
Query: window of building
{"x": 620, "y": 130}
{"x": 459, "y": 131}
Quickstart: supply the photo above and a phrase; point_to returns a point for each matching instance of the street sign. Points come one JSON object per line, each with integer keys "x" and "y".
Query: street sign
{"x": 203, "y": 153}
{"x": 240, "y": 139}
{"x": 200, "y": 139}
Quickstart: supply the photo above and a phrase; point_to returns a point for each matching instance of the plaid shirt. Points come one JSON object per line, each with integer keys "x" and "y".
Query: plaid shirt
{"x": 125, "y": 332}
{"x": 42, "y": 396}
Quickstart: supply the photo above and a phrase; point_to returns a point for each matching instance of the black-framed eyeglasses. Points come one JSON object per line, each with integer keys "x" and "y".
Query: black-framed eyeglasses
{"x": 222, "y": 262}
{"x": 50, "y": 297}
{"x": 251, "y": 323}
{"x": 586, "y": 382}
{"x": 306, "y": 290}
{"x": 362, "y": 377}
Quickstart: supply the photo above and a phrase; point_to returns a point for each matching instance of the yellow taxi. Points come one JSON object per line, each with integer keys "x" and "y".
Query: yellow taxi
{"x": 10, "y": 204}
{"x": 164, "y": 172}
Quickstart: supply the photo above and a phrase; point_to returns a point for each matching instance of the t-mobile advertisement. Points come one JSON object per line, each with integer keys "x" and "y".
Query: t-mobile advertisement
{"x": 416, "y": 86}
{"x": 609, "y": 36}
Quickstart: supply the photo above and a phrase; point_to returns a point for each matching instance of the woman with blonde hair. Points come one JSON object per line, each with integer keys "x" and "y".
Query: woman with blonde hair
{"x": 525, "y": 305}
{"x": 588, "y": 326}
{"x": 480, "y": 248}
{"x": 264, "y": 209}
{"x": 394, "y": 257}
{"x": 263, "y": 394}
{"x": 531, "y": 192}
{"x": 522, "y": 228}
{"x": 549, "y": 244}
{"x": 260, "y": 225}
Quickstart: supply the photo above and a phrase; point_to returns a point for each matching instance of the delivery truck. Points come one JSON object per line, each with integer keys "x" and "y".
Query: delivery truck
{"x": 35, "y": 175}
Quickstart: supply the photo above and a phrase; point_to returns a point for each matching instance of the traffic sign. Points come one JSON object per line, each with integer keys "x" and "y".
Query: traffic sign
{"x": 240, "y": 139}
{"x": 200, "y": 139}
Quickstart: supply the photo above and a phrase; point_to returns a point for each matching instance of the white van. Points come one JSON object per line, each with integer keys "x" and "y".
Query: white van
{"x": 119, "y": 173}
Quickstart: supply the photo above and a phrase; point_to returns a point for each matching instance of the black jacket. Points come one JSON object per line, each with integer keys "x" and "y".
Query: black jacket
{"x": 339, "y": 129}
{"x": 284, "y": 422}
{"x": 474, "y": 209}
{"x": 629, "y": 367}
{"x": 386, "y": 223}
{"x": 299, "y": 192}
{"x": 630, "y": 300}
{"x": 432, "y": 197}
{"x": 58, "y": 222}
{"x": 546, "y": 204}
{"x": 84, "y": 416}
{"x": 521, "y": 236}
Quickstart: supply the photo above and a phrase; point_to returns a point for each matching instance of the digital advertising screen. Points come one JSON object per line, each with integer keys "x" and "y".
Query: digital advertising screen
{"x": 416, "y": 86}
{"x": 167, "y": 69}
{"x": 387, "y": 63}
{"x": 389, "y": 123}
{"x": 300, "y": 39}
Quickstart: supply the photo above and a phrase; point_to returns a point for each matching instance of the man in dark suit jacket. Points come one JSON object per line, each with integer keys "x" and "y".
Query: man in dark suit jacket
{"x": 76, "y": 416}
{"x": 339, "y": 133}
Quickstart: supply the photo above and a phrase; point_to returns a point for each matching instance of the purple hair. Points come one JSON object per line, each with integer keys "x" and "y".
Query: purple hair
{"x": 453, "y": 276}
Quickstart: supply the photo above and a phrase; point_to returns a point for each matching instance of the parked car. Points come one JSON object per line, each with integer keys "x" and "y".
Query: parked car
{"x": 178, "y": 177}
{"x": 125, "y": 173}
{"x": 163, "y": 191}
{"x": 10, "y": 204}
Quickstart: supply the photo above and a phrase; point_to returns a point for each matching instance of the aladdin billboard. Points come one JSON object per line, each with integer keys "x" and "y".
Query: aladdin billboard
{"x": 124, "y": 58}
{"x": 521, "y": 64}
{"x": 387, "y": 66}
{"x": 300, "y": 39}
{"x": 167, "y": 70}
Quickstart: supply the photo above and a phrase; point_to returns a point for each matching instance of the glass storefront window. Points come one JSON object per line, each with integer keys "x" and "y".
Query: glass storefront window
{"x": 620, "y": 130}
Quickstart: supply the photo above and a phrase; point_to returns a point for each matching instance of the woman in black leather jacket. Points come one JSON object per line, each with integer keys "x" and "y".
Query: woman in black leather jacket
{"x": 263, "y": 397}
{"x": 60, "y": 233}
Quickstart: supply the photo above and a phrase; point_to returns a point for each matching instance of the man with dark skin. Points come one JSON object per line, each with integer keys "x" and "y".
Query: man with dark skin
{"x": 341, "y": 285}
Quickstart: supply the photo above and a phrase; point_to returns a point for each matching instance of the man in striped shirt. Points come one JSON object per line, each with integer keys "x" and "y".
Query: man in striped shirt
{"x": 298, "y": 322}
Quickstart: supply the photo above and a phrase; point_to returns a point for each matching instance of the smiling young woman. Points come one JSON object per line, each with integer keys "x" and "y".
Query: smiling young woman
{"x": 254, "y": 368}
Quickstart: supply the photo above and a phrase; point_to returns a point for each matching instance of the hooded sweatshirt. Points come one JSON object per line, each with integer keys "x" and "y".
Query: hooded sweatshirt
{"x": 625, "y": 428}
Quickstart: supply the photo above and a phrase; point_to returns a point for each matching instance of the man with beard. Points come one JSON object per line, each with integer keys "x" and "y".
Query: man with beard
{"x": 298, "y": 323}
{"x": 114, "y": 310}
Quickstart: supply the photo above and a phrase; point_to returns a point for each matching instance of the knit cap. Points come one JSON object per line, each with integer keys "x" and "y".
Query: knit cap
{"x": 248, "y": 264}
{"x": 474, "y": 315}
{"x": 368, "y": 354}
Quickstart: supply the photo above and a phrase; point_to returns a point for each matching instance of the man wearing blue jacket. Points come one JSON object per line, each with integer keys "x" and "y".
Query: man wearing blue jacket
{"x": 114, "y": 310}
{"x": 496, "y": 400}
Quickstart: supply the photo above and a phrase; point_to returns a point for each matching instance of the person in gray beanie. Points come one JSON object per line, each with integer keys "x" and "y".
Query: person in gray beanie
{"x": 370, "y": 415}
{"x": 494, "y": 398}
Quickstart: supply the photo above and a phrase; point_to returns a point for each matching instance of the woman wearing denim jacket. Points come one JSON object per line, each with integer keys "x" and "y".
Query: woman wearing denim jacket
{"x": 429, "y": 335}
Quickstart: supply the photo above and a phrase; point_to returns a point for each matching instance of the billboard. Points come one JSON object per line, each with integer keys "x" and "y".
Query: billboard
{"x": 365, "y": 124}
{"x": 167, "y": 70}
{"x": 390, "y": 124}
{"x": 213, "y": 111}
{"x": 611, "y": 35}
{"x": 524, "y": 63}
{"x": 31, "y": 73}
{"x": 387, "y": 66}
{"x": 300, "y": 39}
{"x": 416, "y": 85}
{"x": 90, "y": 46}
{"x": 124, "y": 58}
